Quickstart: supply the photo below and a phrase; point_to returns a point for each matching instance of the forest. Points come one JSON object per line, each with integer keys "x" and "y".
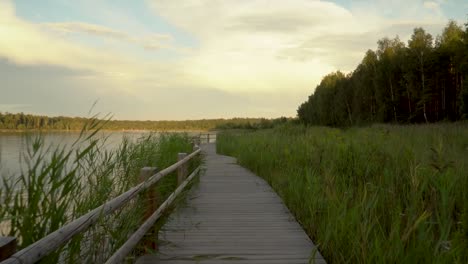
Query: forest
{"x": 21, "y": 121}
{"x": 422, "y": 81}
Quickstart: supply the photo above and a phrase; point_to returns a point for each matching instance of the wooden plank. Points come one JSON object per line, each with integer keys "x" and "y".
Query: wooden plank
{"x": 232, "y": 216}
{"x": 237, "y": 260}
{"x": 127, "y": 247}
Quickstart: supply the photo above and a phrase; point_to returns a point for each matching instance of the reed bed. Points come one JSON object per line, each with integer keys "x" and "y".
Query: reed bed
{"x": 379, "y": 194}
{"x": 61, "y": 183}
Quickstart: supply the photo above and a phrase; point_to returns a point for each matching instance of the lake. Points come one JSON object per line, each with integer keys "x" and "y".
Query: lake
{"x": 13, "y": 145}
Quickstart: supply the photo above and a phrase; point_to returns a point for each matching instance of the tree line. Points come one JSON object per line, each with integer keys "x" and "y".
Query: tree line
{"x": 21, "y": 121}
{"x": 423, "y": 81}
{"x": 261, "y": 123}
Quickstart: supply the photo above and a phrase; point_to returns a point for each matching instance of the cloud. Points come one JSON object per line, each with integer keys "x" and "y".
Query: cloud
{"x": 271, "y": 22}
{"x": 324, "y": 48}
{"x": 242, "y": 42}
{"x": 266, "y": 56}
{"x": 431, "y": 5}
{"x": 52, "y": 90}
{"x": 298, "y": 17}
{"x": 245, "y": 16}
{"x": 27, "y": 43}
{"x": 155, "y": 41}
{"x": 71, "y": 27}
{"x": 149, "y": 42}
{"x": 13, "y": 107}
{"x": 283, "y": 37}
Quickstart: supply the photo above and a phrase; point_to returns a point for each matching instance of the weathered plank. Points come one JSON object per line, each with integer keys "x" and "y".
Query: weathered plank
{"x": 232, "y": 216}
{"x": 127, "y": 247}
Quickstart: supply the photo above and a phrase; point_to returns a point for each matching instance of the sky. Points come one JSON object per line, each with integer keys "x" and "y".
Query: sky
{"x": 191, "y": 59}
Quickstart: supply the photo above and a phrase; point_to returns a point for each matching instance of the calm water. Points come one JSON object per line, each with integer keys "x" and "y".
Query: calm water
{"x": 14, "y": 145}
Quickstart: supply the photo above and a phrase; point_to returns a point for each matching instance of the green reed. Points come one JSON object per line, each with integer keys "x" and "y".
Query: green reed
{"x": 61, "y": 183}
{"x": 380, "y": 194}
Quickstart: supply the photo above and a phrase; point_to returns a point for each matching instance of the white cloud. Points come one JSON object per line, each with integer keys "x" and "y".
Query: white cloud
{"x": 149, "y": 42}
{"x": 432, "y": 5}
{"x": 13, "y": 107}
{"x": 28, "y": 43}
{"x": 262, "y": 45}
{"x": 71, "y": 27}
{"x": 242, "y": 43}
{"x": 251, "y": 48}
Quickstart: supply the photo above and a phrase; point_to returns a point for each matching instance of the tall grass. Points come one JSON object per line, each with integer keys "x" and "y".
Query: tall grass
{"x": 381, "y": 194}
{"x": 62, "y": 183}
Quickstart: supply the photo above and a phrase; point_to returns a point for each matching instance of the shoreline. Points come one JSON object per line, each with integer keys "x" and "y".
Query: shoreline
{"x": 103, "y": 130}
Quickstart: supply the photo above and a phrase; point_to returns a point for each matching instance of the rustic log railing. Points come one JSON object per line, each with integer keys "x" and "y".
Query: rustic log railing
{"x": 149, "y": 177}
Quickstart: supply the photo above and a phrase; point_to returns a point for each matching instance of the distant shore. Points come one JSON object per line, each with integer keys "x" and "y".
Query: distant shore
{"x": 20, "y": 122}
{"x": 103, "y": 130}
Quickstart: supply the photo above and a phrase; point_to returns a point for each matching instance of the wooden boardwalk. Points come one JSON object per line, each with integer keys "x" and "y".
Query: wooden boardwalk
{"x": 232, "y": 216}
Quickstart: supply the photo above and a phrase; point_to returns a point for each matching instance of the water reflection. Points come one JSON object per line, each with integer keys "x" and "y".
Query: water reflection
{"x": 13, "y": 146}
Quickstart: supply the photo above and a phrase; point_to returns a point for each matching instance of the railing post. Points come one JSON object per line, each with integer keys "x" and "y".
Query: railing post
{"x": 150, "y": 201}
{"x": 182, "y": 170}
{"x": 196, "y": 147}
{"x": 7, "y": 247}
{"x": 208, "y": 138}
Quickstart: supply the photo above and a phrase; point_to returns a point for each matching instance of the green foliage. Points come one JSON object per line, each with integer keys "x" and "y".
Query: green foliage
{"x": 261, "y": 123}
{"x": 61, "y": 184}
{"x": 381, "y": 194}
{"x": 21, "y": 121}
{"x": 424, "y": 81}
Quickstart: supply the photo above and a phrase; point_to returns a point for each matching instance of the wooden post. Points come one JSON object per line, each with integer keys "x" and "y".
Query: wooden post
{"x": 195, "y": 146}
{"x": 208, "y": 138}
{"x": 182, "y": 170}
{"x": 150, "y": 201}
{"x": 7, "y": 247}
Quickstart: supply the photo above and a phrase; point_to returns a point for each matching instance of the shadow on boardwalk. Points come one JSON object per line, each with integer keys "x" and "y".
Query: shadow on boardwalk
{"x": 232, "y": 216}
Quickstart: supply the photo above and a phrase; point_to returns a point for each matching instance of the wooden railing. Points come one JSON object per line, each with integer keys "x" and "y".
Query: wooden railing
{"x": 205, "y": 138}
{"x": 149, "y": 177}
